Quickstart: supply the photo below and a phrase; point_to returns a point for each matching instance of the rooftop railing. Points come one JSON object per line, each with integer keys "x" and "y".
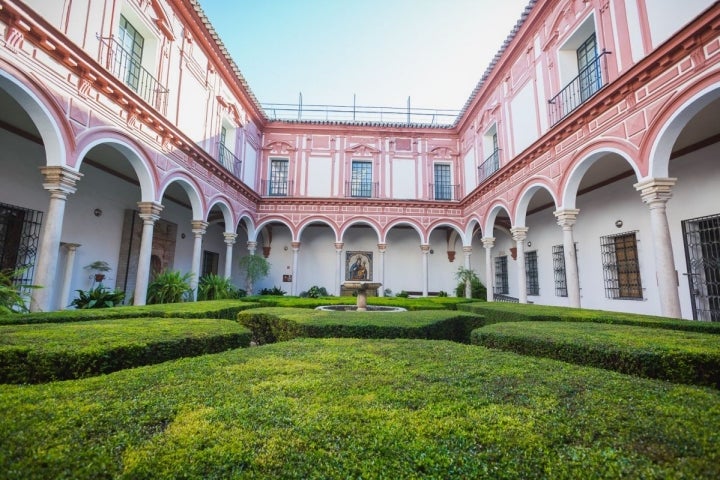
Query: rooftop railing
{"x": 355, "y": 113}
{"x": 127, "y": 68}
{"x": 588, "y": 81}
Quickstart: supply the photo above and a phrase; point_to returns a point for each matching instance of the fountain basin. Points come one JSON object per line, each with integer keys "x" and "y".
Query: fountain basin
{"x": 354, "y": 308}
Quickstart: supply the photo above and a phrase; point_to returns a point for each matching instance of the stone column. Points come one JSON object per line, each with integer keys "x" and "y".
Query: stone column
{"x": 251, "y": 246}
{"x": 67, "y": 274}
{"x": 488, "y": 243}
{"x": 566, "y": 219}
{"x": 296, "y": 249}
{"x": 229, "y": 242}
{"x": 382, "y": 248}
{"x": 519, "y": 234}
{"x": 425, "y": 254}
{"x": 199, "y": 227}
{"x": 338, "y": 267}
{"x": 467, "y": 251}
{"x": 60, "y": 182}
{"x": 149, "y": 213}
{"x": 656, "y": 192}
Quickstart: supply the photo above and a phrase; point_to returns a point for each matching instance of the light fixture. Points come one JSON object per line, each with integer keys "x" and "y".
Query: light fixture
{"x": 618, "y": 223}
{"x": 182, "y": 235}
{"x": 285, "y": 248}
{"x": 97, "y": 212}
{"x": 529, "y": 244}
{"x": 432, "y": 251}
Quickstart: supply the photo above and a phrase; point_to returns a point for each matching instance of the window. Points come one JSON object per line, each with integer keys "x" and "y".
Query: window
{"x": 490, "y": 146}
{"x": 19, "y": 240}
{"x": 620, "y": 266}
{"x": 131, "y": 44}
{"x": 588, "y": 68}
{"x": 210, "y": 263}
{"x": 278, "y": 177}
{"x": 501, "y": 286}
{"x": 702, "y": 254}
{"x": 361, "y": 179}
{"x": 558, "y": 253}
{"x": 443, "y": 187}
{"x": 531, "y": 270}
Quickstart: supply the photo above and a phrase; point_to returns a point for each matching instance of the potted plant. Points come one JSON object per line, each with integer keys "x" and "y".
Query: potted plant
{"x": 100, "y": 267}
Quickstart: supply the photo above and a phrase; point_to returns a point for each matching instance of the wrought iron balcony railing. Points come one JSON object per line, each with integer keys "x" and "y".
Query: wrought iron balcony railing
{"x": 228, "y": 160}
{"x": 127, "y": 68}
{"x": 580, "y": 89}
{"x": 354, "y": 189}
{"x": 489, "y": 166}
{"x": 444, "y": 192}
{"x": 277, "y": 188}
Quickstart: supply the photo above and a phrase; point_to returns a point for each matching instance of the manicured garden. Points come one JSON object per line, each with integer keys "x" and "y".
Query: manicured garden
{"x": 393, "y": 399}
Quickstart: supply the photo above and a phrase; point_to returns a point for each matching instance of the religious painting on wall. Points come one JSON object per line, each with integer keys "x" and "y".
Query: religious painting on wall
{"x": 358, "y": 266}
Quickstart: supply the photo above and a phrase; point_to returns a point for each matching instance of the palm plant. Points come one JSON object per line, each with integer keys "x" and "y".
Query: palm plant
{"x": 215, "y": 287}
{"x": 14, "y": 295}
{"x": 170, "y": 286}
{"x": 98, "y": 297}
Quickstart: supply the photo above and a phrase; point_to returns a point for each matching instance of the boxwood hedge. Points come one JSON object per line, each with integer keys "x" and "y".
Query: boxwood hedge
{"x": 513, "y": 312}
{"x": 346, "y": 408}
{"x": 683, "y": 357}
{"x": 273, "y": 324}
{"x": 421, "y": 303}
{"x": 41, "y": 353}
{"x": 226, "y": 309}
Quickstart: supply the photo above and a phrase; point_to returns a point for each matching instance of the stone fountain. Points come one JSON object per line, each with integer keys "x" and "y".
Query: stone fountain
{"x": 361, "y": 304}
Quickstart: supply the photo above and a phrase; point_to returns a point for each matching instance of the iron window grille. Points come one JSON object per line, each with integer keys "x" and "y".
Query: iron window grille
{"x": 501, "y": 286}
{"x": 19, "y": 241}
{"x": 361, "y": 184}
{"x": 702, "y": 254}
{"x": 621, "y": 268}
{"x": 531, "y": 270}
{"x": 558, "y": 253}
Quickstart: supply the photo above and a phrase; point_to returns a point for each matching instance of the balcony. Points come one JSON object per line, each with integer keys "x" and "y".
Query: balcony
{"x": 580, "y": 89}
{"x": 228, "y": 160}
{"x": 489, "y": 166}
{"x": 361, "y": 190}
{"x": 124, "y": 66}
{"x": 276, "y": 188}
{"x": 444, "y": 192}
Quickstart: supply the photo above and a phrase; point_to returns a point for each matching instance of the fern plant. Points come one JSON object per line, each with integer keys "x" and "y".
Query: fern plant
{"x": 170, "y": 286}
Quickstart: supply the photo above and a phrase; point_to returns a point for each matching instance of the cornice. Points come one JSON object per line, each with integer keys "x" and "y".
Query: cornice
{"x": 364, "y": 203}
{"x": 55, "y": 44}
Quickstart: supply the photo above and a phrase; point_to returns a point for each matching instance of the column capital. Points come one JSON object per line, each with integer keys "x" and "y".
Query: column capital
{"x": 655, "y": 189}
{"x": 488, "y": 242}
{"x": 339, "y": 246}
{"x": 566, "y": 217}
{"x": 60, "y": 180}
{"x": 295, "y": 246}
{"x": 519, "y": 233}
{"x": 230, "y": 238}
{"x": 467, "y": 249}
{"x": 199, "y": 227}
{"x": 425, "y": 248}
{"x": 70, "y": 246}
{"x": 150, "y": 211}
{"x": 382, "y": 247}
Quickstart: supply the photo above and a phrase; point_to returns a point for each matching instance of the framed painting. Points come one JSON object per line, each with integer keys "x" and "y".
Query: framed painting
{"x": 358, "y": 266}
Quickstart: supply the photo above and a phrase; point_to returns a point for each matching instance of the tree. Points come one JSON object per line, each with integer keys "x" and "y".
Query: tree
{"x": 468, "y": 277}
{"x": 255, "y": 268}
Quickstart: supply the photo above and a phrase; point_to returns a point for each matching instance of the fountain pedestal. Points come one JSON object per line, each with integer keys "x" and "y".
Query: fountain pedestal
{"x": 362, "y": 288}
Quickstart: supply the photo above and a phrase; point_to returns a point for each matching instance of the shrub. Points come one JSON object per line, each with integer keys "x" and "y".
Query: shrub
{"x": 275, "y": 291}
{"x": 346, "y": 408}
{"x": 255, "y": 268}
{"x": 403, "y": 294}
{"x": 316, "y": 292}
{"x": 216, "y": 287}
{"x": 42, "y": 353}
{"x": 98, "y": 297}
{"x": 681, "y": 357}
{"x": 170, "y": 286}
